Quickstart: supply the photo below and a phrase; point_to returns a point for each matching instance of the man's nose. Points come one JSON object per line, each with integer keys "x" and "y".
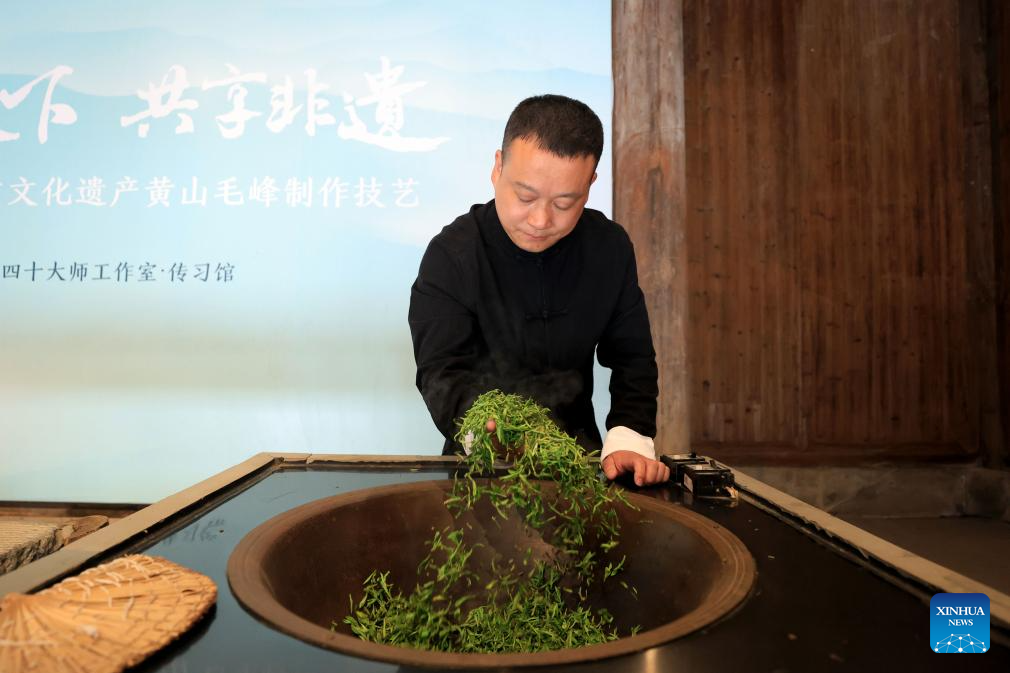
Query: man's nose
{"x": 540, "y": 217}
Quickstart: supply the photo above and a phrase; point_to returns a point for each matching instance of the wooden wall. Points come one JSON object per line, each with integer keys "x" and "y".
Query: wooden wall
{"x": 842, "y": 294}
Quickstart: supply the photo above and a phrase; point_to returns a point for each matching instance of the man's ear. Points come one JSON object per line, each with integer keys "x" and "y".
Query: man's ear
{"x": 594, "y": 179}
{"x": 496, "y": 169}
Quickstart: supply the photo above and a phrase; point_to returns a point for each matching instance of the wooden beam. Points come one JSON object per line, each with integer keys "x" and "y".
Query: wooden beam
{"x": 649, "y": 187}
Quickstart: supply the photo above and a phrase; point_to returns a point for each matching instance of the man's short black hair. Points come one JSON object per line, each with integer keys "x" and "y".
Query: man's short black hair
{"x": 560, "y": 125}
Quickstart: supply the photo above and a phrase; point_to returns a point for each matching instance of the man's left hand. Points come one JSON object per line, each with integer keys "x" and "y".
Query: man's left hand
{"x": 646, "y": 471}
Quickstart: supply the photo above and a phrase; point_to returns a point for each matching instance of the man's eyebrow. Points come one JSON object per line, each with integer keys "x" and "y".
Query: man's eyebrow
{"x": 566, "y": 195}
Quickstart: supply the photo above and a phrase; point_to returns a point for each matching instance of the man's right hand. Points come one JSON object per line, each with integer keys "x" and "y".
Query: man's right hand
{"x": 506, "y": 453}
{"x": 490, "y": 426}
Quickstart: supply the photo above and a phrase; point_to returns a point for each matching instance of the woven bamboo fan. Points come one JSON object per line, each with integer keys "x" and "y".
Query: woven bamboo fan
{"x": 105, "y": 619}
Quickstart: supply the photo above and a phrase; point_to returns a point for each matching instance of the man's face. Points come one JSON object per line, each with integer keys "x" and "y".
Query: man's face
{"x": 539, "y": 196}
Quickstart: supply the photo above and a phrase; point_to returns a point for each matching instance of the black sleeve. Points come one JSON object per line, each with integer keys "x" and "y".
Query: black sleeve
{"x": 447, "y": 345}
{"x": 626, "y": 348}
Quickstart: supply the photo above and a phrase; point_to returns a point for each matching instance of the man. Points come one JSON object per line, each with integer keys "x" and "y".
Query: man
{"x": 519, "y": 293}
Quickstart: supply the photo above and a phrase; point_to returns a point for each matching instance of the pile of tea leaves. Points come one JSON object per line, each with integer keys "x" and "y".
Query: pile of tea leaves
{"x": 531, "y": 603}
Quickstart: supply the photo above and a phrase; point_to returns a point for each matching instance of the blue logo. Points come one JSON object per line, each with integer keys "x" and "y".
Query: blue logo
{"x": 959, "y": 623}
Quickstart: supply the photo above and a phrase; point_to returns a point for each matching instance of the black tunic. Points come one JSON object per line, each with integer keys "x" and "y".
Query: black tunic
{"x": 486, "y": 314}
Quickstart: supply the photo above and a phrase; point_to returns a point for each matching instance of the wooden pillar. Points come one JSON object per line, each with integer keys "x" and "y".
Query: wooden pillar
{"x": 998, "y": 67}
{"x": 649, "y": 187}
{"x": 983, "y": 290}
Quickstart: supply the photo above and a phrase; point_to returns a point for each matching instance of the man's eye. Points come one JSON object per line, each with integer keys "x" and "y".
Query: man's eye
{"x": 526, "y": 200}
{"x": 560, "y": 207}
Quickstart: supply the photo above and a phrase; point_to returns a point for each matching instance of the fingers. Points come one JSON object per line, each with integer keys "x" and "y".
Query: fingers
{"x": 491, "y": 426}
{"x": 609, "y": 469}
{"x": 619, "y": 462}
{"x": 651, "y": 472}
{"x": 646, "y": 471}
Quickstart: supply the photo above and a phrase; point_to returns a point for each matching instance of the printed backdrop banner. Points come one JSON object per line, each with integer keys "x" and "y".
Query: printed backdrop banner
{"x": 211, "y": 215}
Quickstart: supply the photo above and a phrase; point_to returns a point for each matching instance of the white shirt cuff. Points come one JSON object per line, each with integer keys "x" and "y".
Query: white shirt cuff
{"x": 621, "y": 438}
